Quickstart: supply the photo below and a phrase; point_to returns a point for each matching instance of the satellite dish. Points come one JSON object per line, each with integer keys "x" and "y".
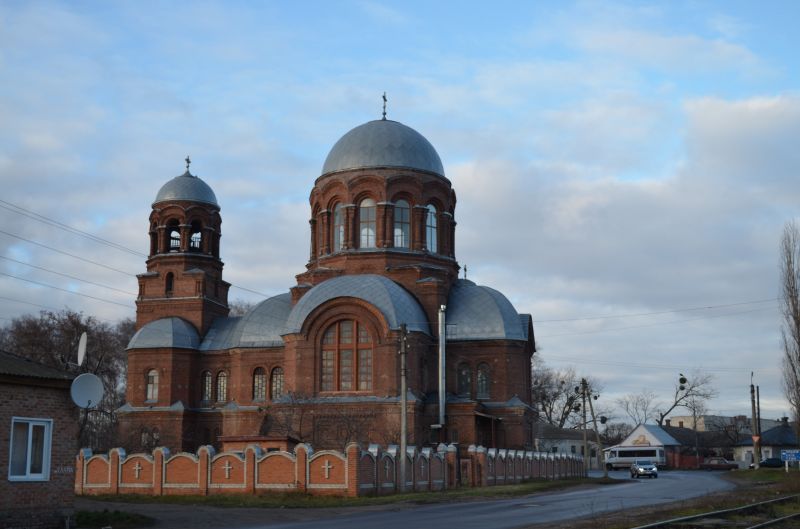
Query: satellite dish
{"x": 82, "y": 349}
{"x": 86, "y": 391}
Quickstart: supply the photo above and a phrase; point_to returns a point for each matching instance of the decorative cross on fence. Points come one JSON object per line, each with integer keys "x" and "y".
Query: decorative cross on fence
{"x": 386, "y": 467}
{"x": 327, "y": 466}
{"x": 137, "y": 469}
{"x": 227, "y": 468}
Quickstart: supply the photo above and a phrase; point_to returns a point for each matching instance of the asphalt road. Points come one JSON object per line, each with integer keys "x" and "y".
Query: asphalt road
{"x": 502, "y": 514}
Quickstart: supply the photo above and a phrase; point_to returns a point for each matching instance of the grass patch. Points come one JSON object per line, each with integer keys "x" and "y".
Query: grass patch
{"x": 116, "y": 519}
{"x": 297, "y": 500}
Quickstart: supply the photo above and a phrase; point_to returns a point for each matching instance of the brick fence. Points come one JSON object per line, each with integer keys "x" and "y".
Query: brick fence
{"x": 354, "y": 472}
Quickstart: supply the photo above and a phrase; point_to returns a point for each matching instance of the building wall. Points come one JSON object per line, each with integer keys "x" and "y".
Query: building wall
{"x": 38, "y": 504}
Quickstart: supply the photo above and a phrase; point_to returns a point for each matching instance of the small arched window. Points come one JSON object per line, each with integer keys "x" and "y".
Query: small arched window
{"x": 483, "y": 381}
{"x": 169, "y": 283}
{"x": 276, "y": 383}
{"x": 174, "y": 236}
{"x": 205, "y": 386}
{"x": 402, "y": 224}
{"x": 366, "y": 221}
{"x": 222, "y": 386}
{"x": 338, "y": 227}
{"x": 152, "y": 386}
{"x": 154, "y": 239}
{"x": 431, "y": 236}
{"x": 259, "y": 384}
{"x": 464, "y": 380}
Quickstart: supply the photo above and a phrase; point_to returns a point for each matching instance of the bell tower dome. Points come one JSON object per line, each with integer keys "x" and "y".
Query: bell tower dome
{"x": 184, "y": 269}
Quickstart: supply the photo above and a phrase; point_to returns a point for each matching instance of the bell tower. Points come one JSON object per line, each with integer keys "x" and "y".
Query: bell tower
{"x": 184, "y": 269}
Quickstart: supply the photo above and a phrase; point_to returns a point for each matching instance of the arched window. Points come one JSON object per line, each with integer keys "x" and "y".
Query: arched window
{"x": 156, "y": 435}
{"x": 169, "y": 283}
{"x": 222, "y": 386}
{"x": 205, "y": 386}
{"x": 196, "y": 239}
{"x": 464, "y": 380}
{"x": 259, "y": 384}
{"x": 276, "y": 383}
{"x": 152, "y": 386}
{"x": 346, "y": 357}
{"x": 366, "y": 223}
{"x": 154, "y": 239}
{"x": 483, "y": 381}
{"x": 174, "y": 236}
{"x": 338, "y": 227}
{"x": 430, "y": 229}
{"x": 402, "y": 224}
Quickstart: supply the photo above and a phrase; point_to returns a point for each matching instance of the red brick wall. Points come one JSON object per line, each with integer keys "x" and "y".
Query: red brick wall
{"x": 40, "y": 504}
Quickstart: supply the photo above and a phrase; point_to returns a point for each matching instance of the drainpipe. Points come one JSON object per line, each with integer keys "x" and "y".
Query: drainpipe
{"x": 442, "y": 332}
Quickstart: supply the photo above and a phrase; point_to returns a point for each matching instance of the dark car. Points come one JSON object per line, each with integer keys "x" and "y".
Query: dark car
{"x": 644, "y": 467}
{"x": 770, "y": 462}
{"x": 718, "y": 463}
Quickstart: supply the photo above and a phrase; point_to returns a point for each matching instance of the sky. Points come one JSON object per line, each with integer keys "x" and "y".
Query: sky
{"x": 623, "y": 170}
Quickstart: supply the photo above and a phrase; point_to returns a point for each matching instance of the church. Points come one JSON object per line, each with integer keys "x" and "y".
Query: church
{"x": 319, "y": 363}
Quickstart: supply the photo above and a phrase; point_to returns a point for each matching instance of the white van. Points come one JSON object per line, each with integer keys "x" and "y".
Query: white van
{"x": 624, "y": 456}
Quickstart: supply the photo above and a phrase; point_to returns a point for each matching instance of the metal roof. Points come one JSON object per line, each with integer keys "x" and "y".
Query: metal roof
{"x": 781, "y": 435}
{"x": 262, "y": 326}
{"x": 166, "y": 332}
{"x": 481, "y": 313}
{"x": 383, "y": 143}
{"x": 186, "y": 187}
{"x": 11, "y": 364}
{"x": 392, "y": 300}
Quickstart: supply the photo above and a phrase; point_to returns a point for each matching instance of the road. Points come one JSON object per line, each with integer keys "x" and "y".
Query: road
{"x": 502, "y": 514}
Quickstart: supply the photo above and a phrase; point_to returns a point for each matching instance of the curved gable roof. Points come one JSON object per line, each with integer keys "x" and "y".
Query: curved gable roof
{"x": 392, "y": 300}
{"x": 166, "y": 332}
{"x": 481, "y": 313}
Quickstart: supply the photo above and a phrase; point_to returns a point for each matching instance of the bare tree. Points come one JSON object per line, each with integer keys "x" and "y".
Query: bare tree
{"x": 639, "y": 407}
{"x": 239, "y": 307}
{"x": 696, "y": 388}
{"x": 615, "y": 433}
{"x": 790, "y": 330}
{"x": 556, "y": 393}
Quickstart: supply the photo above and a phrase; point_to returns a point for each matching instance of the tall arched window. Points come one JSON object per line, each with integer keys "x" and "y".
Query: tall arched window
{"x": 154, "y": 239}
{"x": 338, "y": 227}
{"x": 483, "y": 381}
{"x": 169, "y": 283}
{"x": 366, "y": 223}
{"x": 464, "y": 380}
{"x": 431, "y": 230}
{"x": 402, "y": 224}
{"x": 205, "y": 386}
{"x": 152, "y": 386}
{"x": 276, "y": 383}
{"x": 346, "y": 357}
{"x": 174, "y": 236}
{"x": 259, "y": 384}
{"x": 222, "y": 386}
{"x": 196, "y": 239}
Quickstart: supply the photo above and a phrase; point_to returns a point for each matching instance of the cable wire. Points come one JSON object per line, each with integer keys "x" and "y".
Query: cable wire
{"x": 67, "y": 291}
{"x": 68, "y": 276}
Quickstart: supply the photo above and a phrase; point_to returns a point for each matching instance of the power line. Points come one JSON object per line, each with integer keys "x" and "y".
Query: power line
{"x": 28, "y": 303}
{"x": 638, "y": 314}
{"x": 67, "y": 254}
{"x": 65, "y": 290}
{"x": 68, "y": 276}
{"x": 655, "y": 324}
{"x": 60, "y": 225}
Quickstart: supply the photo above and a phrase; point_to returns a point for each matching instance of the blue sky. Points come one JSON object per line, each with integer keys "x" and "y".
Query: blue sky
{"x": 610, "y": 158}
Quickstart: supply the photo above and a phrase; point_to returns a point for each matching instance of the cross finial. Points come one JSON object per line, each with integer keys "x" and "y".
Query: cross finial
{"x": 188, "y": 162}
{"x": 465, "y": 271}
{"x": 384, "y": 106}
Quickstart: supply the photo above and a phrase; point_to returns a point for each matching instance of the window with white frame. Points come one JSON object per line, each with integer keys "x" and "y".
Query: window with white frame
{"x": 30, "y": 449}
{"x": 366, "y": 220}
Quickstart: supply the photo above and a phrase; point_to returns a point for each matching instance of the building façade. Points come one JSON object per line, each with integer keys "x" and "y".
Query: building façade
{"x": 320, "y": 363}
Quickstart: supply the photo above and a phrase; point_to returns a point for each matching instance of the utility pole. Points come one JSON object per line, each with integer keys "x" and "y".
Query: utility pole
{"x": 403, "y": 405}
{"x": 586, "y": 458}
{"x": 755, "y": 425}
{"x": 600, "y": 454}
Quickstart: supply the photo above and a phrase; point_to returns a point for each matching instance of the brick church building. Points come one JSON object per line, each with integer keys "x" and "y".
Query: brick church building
{"x": 320, "y": 362}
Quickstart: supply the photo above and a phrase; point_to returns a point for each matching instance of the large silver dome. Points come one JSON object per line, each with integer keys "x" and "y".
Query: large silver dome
{"x": 186, "y": 187}
{"x": 383, "y": 143}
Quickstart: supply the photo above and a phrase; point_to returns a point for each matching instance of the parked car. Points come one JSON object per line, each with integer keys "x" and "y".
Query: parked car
{"x": 644, "y": 467}
{"x": 718, "y": 463}
{"x": 770, "y": 462}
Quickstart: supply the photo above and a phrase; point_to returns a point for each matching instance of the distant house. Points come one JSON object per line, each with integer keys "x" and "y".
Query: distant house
{"x": 781, "y": 437}
{"x": 695, "y": 446}
{"x": 557, "y": 440}
{"x": 38, "y": 432}
{"x": 740, "y": 424}
{"x": 646, "y": 437}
